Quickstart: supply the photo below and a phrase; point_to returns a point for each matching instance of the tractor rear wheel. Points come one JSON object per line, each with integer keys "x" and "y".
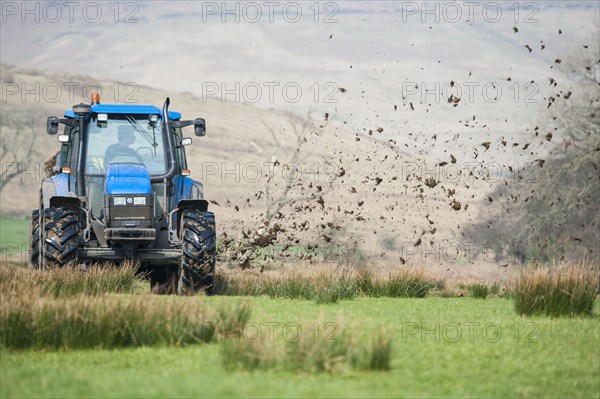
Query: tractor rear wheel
{"x": 198, "y": 253}
{"x": 34, "y": 240}
{"x": 61, "y": 237}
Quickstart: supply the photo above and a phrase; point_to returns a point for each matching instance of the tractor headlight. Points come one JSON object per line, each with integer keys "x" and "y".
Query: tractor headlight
{"x": 139, "y": 200}
{"x": 119, "y": 200}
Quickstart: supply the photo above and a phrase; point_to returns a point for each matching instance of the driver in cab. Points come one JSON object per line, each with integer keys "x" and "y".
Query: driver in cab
{"x": 122, "y": 149}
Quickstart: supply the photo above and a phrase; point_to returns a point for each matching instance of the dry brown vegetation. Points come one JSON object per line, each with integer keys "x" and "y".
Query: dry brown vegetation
{"x": 71, "y": 308}
{"x": 30, "y": 321}
{"x": 97, "y": 279}
{"x": 328, "y": 284}
{"x": 557, "y": 290}
{"x": 74, "y": 309}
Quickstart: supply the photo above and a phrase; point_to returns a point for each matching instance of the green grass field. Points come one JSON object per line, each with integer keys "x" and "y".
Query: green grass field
{"x": 442, "y": 347}
{"x": 14, "y": 235}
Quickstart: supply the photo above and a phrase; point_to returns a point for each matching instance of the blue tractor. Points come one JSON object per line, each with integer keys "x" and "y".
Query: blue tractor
{"x": 121, "y": 191}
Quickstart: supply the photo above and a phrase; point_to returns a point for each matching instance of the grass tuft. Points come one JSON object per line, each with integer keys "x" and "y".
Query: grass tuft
{"x": 246, "y": 355}
{"x": 404, "y": 283}
{"x": 291, "y": 284}
{"x": 306, "y": 353}
{"x": 479, "y": 290}
{"x": 232, "y": 319}
{"x": 69, "y": 281}
{"x": 374, "y": 354}
{"x": 328, "y": 284}
{"x": 324, "y": 285}
{"x": 564, "y": 290}
{"x": 331, "y": 287}
{"x": 240, "y": 283}
{"x": 102, "y": 322}
{"x": 66, "y": 308}
{"x": 495, "y": 288}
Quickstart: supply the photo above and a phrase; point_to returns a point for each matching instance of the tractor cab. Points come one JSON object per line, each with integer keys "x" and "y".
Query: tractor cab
{"x": 123, "y": 173}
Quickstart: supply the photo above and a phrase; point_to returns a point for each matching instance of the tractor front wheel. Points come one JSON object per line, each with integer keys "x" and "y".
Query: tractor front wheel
{"x": 61, "y": 237}
{"x": 198, "y": 253}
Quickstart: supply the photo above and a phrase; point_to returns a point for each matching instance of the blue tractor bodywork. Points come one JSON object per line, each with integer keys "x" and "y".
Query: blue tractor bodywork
{"x": 126, "y": 109}
{"x": 134, "y": 181}
{"x": 130, "y": 200}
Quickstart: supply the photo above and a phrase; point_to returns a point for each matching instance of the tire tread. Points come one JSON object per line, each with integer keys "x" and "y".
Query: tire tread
{"x": 198, "y": 253}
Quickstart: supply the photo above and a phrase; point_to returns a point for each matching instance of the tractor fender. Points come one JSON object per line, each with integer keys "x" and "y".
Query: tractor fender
{"x": 55, "y": 186}
{"x": 82, "y": 215}
{"x": 68, "y": 202}
{"x": 199, "y": 204}
{"x": 197, "y": 190}
{"x": 188, "y": 188}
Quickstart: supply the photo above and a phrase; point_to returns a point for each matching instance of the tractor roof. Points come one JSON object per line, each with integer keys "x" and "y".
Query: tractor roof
{"x": 127, "y": 109}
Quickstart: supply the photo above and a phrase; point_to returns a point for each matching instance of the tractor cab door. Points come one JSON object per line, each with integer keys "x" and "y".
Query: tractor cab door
{"x": 69, "y": 154}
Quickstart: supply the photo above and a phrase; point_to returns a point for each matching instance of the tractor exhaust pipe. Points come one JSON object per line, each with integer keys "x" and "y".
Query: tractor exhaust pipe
{"x": 81, "y": 165}
{"x": 170, "y": 147}
{"x": 82, "y": 111}
{"x": 171, "y": 154}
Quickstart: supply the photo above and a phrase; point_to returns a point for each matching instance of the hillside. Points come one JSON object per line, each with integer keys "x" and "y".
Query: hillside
{"x": 382, "y": 203}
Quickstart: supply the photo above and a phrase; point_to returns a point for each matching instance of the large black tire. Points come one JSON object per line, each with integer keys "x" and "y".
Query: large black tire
{"x": 198, "y": 253}
{"x": 61, "y": 237}
{"x": 34, "y": 240}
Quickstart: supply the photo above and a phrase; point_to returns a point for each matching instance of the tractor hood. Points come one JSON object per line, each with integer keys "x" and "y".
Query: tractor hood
{"x": 127, "y": 178}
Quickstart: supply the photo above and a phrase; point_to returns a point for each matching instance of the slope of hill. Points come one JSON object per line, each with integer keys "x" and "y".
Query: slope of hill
{"x": 363, "y": 195}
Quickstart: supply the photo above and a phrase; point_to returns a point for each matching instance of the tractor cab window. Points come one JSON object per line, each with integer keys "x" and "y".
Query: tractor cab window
{"x": 125, "y": 138}
{"x": 68, "y": 151}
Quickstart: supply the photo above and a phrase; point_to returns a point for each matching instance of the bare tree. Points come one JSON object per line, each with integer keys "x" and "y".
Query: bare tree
{"x": 19, "y": 131}
{"x": 280, "y": 188}
{"x": 558, "y": 216}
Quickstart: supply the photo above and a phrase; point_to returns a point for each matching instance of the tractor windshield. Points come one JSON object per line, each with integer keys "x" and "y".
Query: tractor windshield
{"x": 125, "y": 138}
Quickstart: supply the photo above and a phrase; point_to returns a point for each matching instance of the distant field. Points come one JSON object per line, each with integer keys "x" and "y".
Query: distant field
{"x": 14, "y": 234}
{"x": 442, "y": 347}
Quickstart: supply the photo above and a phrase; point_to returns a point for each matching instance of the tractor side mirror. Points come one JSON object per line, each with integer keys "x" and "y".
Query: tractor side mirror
{"x": 200, "y": 127}
{"x": 52, "y": 125}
